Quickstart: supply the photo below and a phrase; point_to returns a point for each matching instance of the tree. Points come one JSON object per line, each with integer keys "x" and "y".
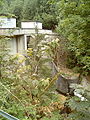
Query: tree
{"x": 74, "y": 24}
{"x": 16, "y": 9}
{"x": 4, "y": 6}
{"x": 40, "y": 10}
{"x": 29, "y": 9}
{"x": 35, "y": 10}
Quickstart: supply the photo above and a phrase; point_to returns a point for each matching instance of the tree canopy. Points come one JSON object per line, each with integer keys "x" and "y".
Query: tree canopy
{"x": 39, "y": 10}
{"x": 74, "y": 24}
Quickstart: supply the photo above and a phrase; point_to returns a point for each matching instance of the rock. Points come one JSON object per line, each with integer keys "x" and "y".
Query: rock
{"x": 86, "y": 82}
{"x": 63, "y": 84}
{"x": 65, "y": 79}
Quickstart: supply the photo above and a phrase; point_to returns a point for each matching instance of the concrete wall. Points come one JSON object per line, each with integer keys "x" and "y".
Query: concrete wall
{"x": 17, "y": 44}
{"x": 23, "y": 31}
{"x": 21, "y": 45}
{"x": 7, "y": 22}
{"x": 12, "y": 45}
{"x": 31, "y": 25}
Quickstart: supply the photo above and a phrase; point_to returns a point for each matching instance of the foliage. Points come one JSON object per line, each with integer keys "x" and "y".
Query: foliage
{"x": 49, "y": 21}
{"x": 80, "y": 107}
{"x": 29, "y": 9}
{"x": 15, "y": 8}
{"x": 74, "y": 24}
{"x": 37, "y": 56}
{"x": 23, "y": 89}
{"x": 24, "y": 80}
{"x": 35, "y": 10}
{"x": 3, "y": 6}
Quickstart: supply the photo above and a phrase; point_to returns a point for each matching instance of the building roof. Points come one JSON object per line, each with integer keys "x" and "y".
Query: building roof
{"x": 8, "y": 15}
{"x": 31, "y": 21}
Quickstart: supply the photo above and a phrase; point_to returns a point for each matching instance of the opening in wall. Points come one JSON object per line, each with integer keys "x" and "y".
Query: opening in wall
{"x": 28, "y": 42}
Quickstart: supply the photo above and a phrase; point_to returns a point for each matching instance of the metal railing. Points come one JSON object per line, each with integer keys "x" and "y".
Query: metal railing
{"x": 8, "y": 116}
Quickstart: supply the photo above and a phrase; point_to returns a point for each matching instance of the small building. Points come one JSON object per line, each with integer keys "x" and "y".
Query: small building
{"x": 20, "y": 37}
{"x": 7, "y": 21}
{"x": 31, "y": 24}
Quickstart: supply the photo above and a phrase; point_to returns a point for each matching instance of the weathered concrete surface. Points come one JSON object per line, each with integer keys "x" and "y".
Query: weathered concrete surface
{"x": 23, "y": 31}
{"x": 19, "y": 37}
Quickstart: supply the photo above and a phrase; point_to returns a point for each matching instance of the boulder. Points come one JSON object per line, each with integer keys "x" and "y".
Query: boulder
{"x": 63, "y": 84}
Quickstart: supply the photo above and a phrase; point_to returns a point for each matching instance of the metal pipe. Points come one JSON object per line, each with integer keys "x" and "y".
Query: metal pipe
{"x": 8, "y": 116}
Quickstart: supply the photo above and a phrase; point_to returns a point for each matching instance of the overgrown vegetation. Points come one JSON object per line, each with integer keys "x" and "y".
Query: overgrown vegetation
{"x": 26, "y": 89}
{"x": 80, "y": 106}
{"x": 74, "y": 24}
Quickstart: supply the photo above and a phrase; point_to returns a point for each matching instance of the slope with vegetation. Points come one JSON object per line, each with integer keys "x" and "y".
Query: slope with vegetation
{"x": 28, "y": 92}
